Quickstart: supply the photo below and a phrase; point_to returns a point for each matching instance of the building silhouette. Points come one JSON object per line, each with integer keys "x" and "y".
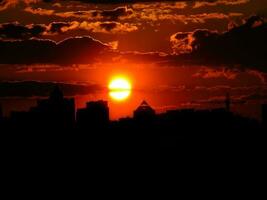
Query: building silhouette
{"x": 57, "y": 111}
{"x": 94, "y": 116}
{"x": 53, "y": 113}
{"x": 144, "y": 112}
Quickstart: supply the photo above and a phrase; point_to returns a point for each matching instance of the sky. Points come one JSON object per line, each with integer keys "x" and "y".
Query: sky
{"x": 177, "y": 54}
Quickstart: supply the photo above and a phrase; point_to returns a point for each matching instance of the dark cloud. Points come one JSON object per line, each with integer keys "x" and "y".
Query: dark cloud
{"x": 18, "y": 31}
{"x": 108, "y": 26}
{"x": 115, "y": 1}
{"x": 70, "y": 51}
{"x": 57, "y": 27}
{"x": 113, "y": 14}
{"x": 210, "y": 2}
{"x": 42, "y": 89}
{"x": 4, "y": 4}
{"x": 242, "y": 45}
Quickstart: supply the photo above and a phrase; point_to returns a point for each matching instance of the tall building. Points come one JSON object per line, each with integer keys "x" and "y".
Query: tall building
{"x": 95, "y": 115}
{"x": 56, "y": 111}
{"x": 144, "y": 112}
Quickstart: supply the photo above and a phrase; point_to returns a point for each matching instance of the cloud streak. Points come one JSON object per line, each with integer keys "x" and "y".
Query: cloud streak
{"x": 199, "y": 4}
{"x": 18, "y": 31}
{"x": 43, "y": 89}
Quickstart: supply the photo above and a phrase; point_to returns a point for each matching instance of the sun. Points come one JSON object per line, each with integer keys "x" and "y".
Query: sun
{"x": 119, "y": 88}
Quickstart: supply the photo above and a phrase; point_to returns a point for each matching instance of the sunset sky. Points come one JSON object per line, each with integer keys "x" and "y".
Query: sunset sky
{"x": 176, "y": 54}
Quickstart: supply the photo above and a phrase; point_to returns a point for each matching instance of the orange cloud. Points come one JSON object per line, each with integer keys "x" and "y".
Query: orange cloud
{"x": 39, "y": 11}
{"x": 161, "y": 5}
{"x": 113, "y": 45}
{"x": 110, "y": 15}
{"x": 199, "y": 4}
{"x": 108, "y": 27}
{"x": 7, "y": 3}
{"x": 181, "y": 42}
{"x": 156, "y": 15}
{"x": 4, "y": 4}
{"x": 208, "y": 73}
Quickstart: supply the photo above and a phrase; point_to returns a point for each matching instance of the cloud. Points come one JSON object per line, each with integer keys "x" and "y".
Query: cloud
{"x": 262, "y": 76}
{"x": 113, "y": 14}
{"x": 43, "y": 89}
{"x": 220, "y": 100}
{"x": 208, "y": 73}
{"x": 178, "y": 3}
{"x": 155, "y": 14}
{"x": 61, "y": 27}
{"x": 242, "y": 45}
{"x": 166, "y": 4}
{"x": 138, "y": 12}
{"x": 108, "y": 27}
{"x": 181, "y": 42}
{"x": 199, "y": 4}
{"x": 210, "y": 2}
{"x": 217, "y": 93}
{"x": 39, "y": 11}
{"x": 162, "y": 5}
{"x": 110, "y": 15}
{"x": 18, "y": 31}
{"x": 77, "y": 50}
{"x": 4, "y": 4}
{"x": 117, "y": 1}
{"x": 114, "y": 44}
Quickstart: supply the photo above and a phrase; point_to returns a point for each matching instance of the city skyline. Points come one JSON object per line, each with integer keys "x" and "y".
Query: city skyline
{"x": 173, "y": 54}
{"x": 57, "y": 101}
{"x": 56, "y": 118}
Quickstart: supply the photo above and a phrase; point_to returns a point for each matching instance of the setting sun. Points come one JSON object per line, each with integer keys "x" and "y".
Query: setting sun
{"x": 119, "y": 88}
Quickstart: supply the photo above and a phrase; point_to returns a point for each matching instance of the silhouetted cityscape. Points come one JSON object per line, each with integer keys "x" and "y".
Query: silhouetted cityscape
{"x": 56, "y": 116}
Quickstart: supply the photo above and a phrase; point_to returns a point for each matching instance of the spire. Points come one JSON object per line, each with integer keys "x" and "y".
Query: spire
{"x": 144, "y": 112}
{"x": 144, "y": 106}
{"x": 144, "y": 103}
